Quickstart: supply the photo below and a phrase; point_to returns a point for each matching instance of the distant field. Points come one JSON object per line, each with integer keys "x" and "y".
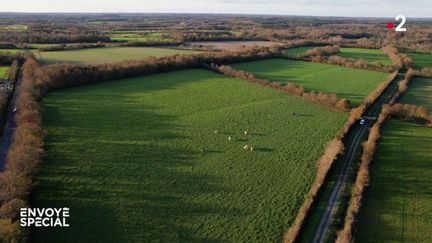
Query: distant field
{"x": 107, "y": 54}
{"x": 138, "y": 37}
{"x": 398, "y": 203}
{"x": 10, "y": 50}
{"x": 419, "y": 93}
{"x": 232, "y": 45}
{"x": 3, "y": 71}
{"x": 369, "y": 55}
{"x": 14, "y": 27}
{"x": 353, "y": 84}
{"x": 299, "y": 50}
{"x": 157, "y": 170}
{"x": 421, "y": 60}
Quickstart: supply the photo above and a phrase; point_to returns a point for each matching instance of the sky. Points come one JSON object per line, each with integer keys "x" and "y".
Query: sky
{"x": 352, "y": 8}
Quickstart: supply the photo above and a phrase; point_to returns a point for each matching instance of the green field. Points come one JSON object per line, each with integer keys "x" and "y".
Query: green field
{"x": 148, "y": 37}
{"x": 353, "y": 84}
{"x": 3, "y": 71}
{"x": 10, "y": 50}
{"x": 369, "y": 55}
{"x": 419, "y": 93}
{"x": 141, "y": 159}
{"x": 14, "y": 27}
{"x": 421, "y": 60}
{"x": 106, "y": 55}
{"x": 398, "y": 203}
{"x": 299, "y": 50}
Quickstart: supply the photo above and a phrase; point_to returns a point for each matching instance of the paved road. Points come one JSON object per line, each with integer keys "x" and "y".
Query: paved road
{"x": 354, "y": 146}
{"x": 9, "y": 127}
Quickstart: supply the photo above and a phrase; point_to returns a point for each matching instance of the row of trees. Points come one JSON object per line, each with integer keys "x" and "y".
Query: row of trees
{"x": 22, "y": 159}
{"x": 346, "y": 62}
{"x": 323, "y": 51}
{"x": 373, "y": 96}
{"x": 403, "y": 85}
{"x": 399, "y": 60}
{"x": 65, "y": 47}
{"x": 407, "y": 112}
{"x": 320, "y": 98}
{"x": 51, "y": 37}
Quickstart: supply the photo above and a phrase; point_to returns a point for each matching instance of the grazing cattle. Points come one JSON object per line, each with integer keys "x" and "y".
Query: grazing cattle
{"x": 216, "y": 131}
{"x": 246, "y": 147}
{"x": 229, "y": 138}
{"x": 251, "y": 148}
{"x": 245, "y": 133}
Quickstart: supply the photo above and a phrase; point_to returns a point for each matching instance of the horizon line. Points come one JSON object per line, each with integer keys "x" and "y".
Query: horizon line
{"x": 203, "y": 13}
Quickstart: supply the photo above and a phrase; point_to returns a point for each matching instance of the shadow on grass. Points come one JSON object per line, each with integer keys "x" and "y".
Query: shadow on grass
{"x": 121, "y": 181}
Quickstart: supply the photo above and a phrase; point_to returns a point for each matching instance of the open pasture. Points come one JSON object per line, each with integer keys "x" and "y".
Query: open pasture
{"x": 139, "y": 37}
{"x": 106, "y": 55}
{"x": 421, "y": 60}
{"x": 419, "y": 93}
{"x": 164, "y": 168}
{"x": 292, "y": 52}
{"x": 231, "y": 45}
{"x": 3, "y": 71}
{"x": 398, "y": 204}
{"x": 352, "y": 84}
{"x": 369, "y": 55}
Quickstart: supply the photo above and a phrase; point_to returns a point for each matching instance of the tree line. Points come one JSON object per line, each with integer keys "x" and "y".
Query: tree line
{"x": 23, "y": 156}
{"x": 51, "y": 37}
{"x": 66, "y": 47}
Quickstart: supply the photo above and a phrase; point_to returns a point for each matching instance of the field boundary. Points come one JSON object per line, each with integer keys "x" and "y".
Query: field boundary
{"x": 331, "y": 101}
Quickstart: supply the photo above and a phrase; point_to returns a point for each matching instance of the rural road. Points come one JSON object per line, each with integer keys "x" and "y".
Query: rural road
{"x": 354, "y": 145}
{"x": 8, "y": 129}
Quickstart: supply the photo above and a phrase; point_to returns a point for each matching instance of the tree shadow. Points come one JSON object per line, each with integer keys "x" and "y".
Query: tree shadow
{"x": 122, "y": 178}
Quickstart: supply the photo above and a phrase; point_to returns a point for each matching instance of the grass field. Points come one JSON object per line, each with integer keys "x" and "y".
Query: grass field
{"x": 353, "y": 84}
{"x": 3, "y": 71}
{"x": 421, "y": 60}
{"x": 419, "y": 93}
{"x": 155, "y": 36}
{"x": 299, "y": 50}
{"x": 157, "y": 170}
{"x": 107, "y": 54}
{"x": 10, "y": 50}
{"x": 398, "y": 204}
{"x": 14, "y": 27}
{"x": 369, "y": 55}
{"x": 231, "y": 45}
